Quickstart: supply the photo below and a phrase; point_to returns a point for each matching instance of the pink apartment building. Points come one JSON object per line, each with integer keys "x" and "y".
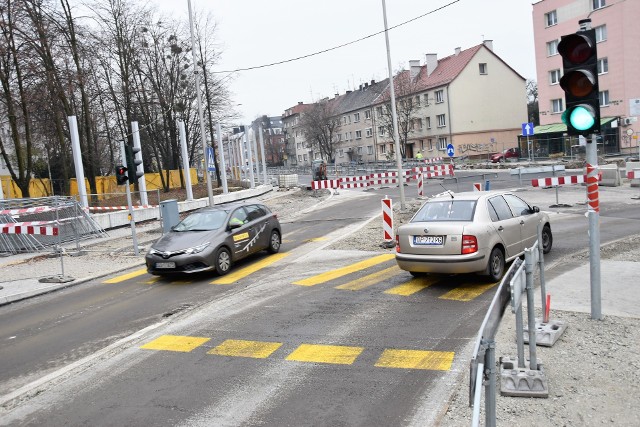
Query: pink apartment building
{"x": 618, "y": 35}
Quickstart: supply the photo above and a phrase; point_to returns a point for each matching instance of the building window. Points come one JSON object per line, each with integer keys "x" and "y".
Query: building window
{"x": 419, "y": 123}
{"x": 556, "y": 105}
{"x": 359, "y": 150}
{"x": 369, "y": 149}
{"x": 426, "y": 99}
{"x": 552, "y": 48}
{"x": 300, "y": 158}
{"x": 383, "y": 149}
{"x": 369, "y": 132}
{"x": 554, "y": 77}
{"x": 379, "y": 111}
{"x": 417, "y": 100}
{"x": 439, "y": 96}
{"x": 430, "y": 144}
{"x": 367, "y": 114}
{"x": 299, "y": 145}
{"x": 551, "y": 18}
{"x": 381, "y": 130}
{"x": 603, "y": 65}
{"x": 442, "y": 121}
{"x": 483, "y": 68}
{"x": 428, "y": 122}
{"x": 442, "y": 143}
{"x": 598, "y": 4}
{"x": 339, "y": 137}
{"x": 304, "y": 156}
{"x": 358, "y": 134}
{"x": 356, "y": 117}
{"x": 341, "y": 153}
{"x": 604, "y": 98}
{"x": 601, "y": 33}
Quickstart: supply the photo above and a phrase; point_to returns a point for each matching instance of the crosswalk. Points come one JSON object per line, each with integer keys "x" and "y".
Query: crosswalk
{"x": 379, "y": 270}
{"x": 433, "y": 360}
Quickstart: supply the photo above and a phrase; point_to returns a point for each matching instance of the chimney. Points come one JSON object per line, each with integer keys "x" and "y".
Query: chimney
{"x": 366, "y": 85}
{"x": 373, "y": 82}
{"x": 299, "y": 102}
{"x": 414, "y": 68}
{"x": 458, "y": 51}
{"x": 360, "y": 87}
{"x": 337, "y": 95}
{"x": 488, "y": 44}
{"x": 431, "y": 62}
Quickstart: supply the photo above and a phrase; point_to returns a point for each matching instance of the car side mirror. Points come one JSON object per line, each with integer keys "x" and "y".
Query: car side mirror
{"x": 535, "y": 209}
{"x": 234, "y": 226}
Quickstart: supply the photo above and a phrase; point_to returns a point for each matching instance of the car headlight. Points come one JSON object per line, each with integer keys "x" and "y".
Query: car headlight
{"x": 196, "y": 249}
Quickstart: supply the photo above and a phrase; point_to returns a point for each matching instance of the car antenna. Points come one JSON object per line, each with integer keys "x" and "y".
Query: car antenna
{"x": 447, "y": 191}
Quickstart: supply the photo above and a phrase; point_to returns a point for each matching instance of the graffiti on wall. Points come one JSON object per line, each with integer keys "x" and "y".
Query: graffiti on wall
{"x": 486, "y": 147}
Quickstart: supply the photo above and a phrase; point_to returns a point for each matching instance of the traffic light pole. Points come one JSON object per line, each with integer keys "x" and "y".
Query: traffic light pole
{"x": 131, "y": 220}
{"x": 593, "y": 212}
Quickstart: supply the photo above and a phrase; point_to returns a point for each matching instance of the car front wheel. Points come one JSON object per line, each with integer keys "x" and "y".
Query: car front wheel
{"x": 223, "y": 261}
{"x": 495, "y": 269}
{"x": 547, "y": 239}
{"x": 274, "y": 242}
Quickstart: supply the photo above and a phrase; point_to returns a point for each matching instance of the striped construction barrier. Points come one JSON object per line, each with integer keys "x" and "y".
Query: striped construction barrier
{"x": 634, "y": 174}
{"x": 20, "y": 228}
{"x": 354, "y": 182}
{"x": 387, "y": 219}
{"x": 420, "y": 184}
{"x": 433, "y": 160}
{"x": 325, "y": 184}
{"x": 556, "y": 181}
{"x": 23, "y": 211}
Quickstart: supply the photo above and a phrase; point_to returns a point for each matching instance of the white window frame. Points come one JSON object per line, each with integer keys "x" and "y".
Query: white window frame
{"x": 426, "y": 99}
{"x": 428, "y": 122}
{"x": 379, "y": 111}
{"x": 417, "y": 100}
{"x": 367, "y": 114}
{"x": 442, "y": 143}
{"x": 598, "y": 4}
{"x": 358, "y": 134}
{"x": 442, "y": 120}
{"x": 439, "y": 96}
{"x": 383, "y": 148}
{"x": 341, "y": 153}
{"x": 554, "y": 76}
{"x": 601, "y": 33}
{"x": 483, "y": 68}
{"x": 370, "y": 150}
{"x": 369, "y": 132}
{"x": 356, "y": 117}
{"x": 603, "y": 65}
{"x": 552, "y": 48}
{"x": 551, "y": 18}
{"x": 603, "y": 96}
{"x": 381, "y": 130}
{"x": 557, "y": 106}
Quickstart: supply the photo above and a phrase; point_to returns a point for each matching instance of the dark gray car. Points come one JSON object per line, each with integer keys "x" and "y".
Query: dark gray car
{"x": 213, "y": 238}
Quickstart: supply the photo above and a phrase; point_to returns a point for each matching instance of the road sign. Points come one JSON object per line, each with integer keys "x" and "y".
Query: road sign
{"x": 211, "y": 164}
{"x": 450, "y": 150}
{"x": 527, "y": 129}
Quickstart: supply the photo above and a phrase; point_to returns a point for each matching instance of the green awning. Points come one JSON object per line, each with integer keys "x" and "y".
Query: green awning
{"x": 562, "y": 128}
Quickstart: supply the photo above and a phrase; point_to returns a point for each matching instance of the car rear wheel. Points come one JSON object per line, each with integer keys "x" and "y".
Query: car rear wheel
{"x": 274, "y": 242}
{"x": 495, "y": 268}
{"x": 547, "y": 239}
{"x": 223, "y": 261}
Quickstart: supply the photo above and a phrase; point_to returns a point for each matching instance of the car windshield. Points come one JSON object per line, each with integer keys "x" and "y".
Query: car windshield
{"x": 446, "y": 210}
{"x": 202, "y": 221}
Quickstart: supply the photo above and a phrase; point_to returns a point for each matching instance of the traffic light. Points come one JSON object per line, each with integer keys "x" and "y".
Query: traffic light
{"x": 580, "y": 82}
{"x": 121, "y": 175}
{"x": 132, "y": 163}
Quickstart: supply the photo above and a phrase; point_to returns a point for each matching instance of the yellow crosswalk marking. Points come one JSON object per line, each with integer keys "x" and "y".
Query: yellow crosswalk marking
{"x": 317, "y": 353}
{"x": 242, "y": 348}
{"x": 412, "y": 286}
{"x": 175, "y": 343}
{"x": 244, "y": 272}
{"x": 128, "y": 276}
{"x": 371, "y": 279}
{"x": 334, "y": 274}
{"x": 416, "y": 359}
{"x": 467, "y": 292}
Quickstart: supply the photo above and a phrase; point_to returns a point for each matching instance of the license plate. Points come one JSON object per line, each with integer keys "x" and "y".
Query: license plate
{"x": 165, "y": 265}
{"x": 428, "y": 240}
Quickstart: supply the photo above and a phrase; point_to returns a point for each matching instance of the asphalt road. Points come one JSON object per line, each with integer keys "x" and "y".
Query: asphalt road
{"x": 308, "y": 340}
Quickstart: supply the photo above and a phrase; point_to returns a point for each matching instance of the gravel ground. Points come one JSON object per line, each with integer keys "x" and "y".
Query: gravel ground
{"x": 593, "y": 371}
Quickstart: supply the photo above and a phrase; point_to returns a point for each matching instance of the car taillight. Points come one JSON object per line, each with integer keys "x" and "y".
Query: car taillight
{"x": 469, "y": 244}
{"x": 397, "y": 244}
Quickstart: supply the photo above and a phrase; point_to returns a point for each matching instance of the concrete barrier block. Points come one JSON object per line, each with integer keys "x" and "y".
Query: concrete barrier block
{"x": 610, "y": 176}
{"x": 522, "y": 382}
{"x": 630, "y": 166}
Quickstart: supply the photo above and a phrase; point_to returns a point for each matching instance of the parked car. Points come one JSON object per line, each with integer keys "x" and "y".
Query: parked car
{"x": 473, "y": 232}
{"x": 213, "y": 238}
{"x": 509, "y": 153}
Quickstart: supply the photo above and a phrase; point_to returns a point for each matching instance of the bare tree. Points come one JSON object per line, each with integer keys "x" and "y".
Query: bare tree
{"x": 321, "y": 125}
{"x": 533, "y": 109}
{"x": 405, "y": 87}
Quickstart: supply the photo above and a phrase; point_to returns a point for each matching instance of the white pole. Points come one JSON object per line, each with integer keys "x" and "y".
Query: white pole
{"x": 142, "y": 182}
{"x": 185, "y": 160}
{"x": 254, "y": 148}
{"x": 252, "y": 182}
{"x": 200, "y": 114}
{"x": 394, "y": 114}
{"x": 223, "y": 172}
{"x": 77, "y": 160}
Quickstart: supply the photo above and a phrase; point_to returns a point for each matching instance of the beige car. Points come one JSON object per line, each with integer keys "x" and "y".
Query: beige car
{"x": 474, "y": 232}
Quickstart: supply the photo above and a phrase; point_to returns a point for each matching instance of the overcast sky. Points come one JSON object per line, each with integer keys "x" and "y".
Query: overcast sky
{"x": 257, "y": 32}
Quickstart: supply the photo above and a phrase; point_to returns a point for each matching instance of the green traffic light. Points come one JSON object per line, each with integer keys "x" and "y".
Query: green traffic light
{"x": 582, "y": 117}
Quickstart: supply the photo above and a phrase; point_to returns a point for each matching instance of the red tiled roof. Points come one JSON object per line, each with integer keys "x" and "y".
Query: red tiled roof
{"x": 447, "y": 70}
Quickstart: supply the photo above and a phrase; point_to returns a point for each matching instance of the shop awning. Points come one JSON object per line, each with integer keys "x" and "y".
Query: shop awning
{"x": 562, "y": 128}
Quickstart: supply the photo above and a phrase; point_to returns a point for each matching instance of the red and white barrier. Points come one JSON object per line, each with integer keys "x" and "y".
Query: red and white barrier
{"x": 420, "y": 184}
{"x": 387, "y": 219}
{"x": 354, "y": 182}
{"x": 23, "y": 211}
{"x": 477, "y": 186}
{"x": 433, "y": 160}
{"x": 119, "y": 208}
{"x": 326, "y": 184}
{"x": 634, "y": 174}
{"x": 20, "y": 228}
{"x": 558, "y": 180}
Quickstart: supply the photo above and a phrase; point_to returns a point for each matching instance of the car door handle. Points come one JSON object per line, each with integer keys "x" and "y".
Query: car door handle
{"x": 501, "y": 228}
{"x": 521, "y": 222}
